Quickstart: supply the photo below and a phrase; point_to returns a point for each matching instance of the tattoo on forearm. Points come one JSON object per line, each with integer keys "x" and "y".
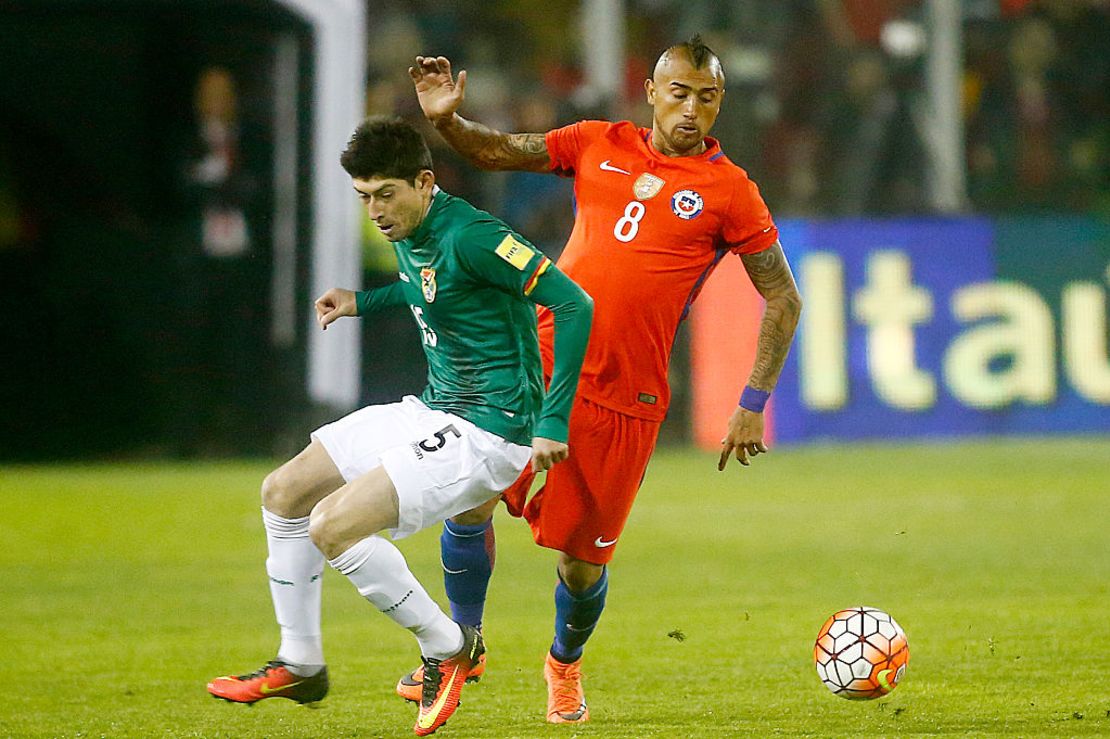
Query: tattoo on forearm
{"x": 530, "y": 144}
{"x": 771, "y": 276}
{"x": 775, "y": 334}
{"x": 490, "y": 149}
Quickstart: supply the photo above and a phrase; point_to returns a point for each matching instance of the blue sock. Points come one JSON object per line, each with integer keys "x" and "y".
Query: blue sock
{"x": 467, "y": 554}
{"x": 576, "y": 615}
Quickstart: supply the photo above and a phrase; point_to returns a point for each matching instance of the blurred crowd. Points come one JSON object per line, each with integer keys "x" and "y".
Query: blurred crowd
{"x": 826, "y": 105}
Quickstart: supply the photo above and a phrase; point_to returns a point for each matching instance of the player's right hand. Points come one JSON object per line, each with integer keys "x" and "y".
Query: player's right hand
{"x": 546, "y": 453}
{"x": 333, "y": 304}
{"x": 436, "y": 90}
{"x": 743, "y": 439}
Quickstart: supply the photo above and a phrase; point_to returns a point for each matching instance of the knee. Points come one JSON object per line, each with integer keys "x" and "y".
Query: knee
{"x": 578, "y": 575}
{"x": 322, "y": 531}
{"x": 280, "y": 495}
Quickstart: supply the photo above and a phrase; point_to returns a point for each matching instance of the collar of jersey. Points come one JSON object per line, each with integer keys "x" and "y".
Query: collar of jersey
{"x": 712, "y": 147}
{"x": 427, "y": 227}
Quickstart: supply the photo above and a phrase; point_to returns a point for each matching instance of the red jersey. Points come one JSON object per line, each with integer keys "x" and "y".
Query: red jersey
{"x": 648, "y": 231}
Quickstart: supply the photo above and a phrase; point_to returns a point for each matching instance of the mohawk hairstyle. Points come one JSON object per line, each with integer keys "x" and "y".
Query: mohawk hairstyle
{"x": 695, "y": 48}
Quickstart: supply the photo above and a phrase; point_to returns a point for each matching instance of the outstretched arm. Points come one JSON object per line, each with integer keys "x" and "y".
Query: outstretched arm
{"x": 770, "y": 273}
{"x": 440, "y": 96}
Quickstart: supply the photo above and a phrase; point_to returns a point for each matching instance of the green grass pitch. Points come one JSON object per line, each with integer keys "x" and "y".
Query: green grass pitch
{"x": 123, "y": 588}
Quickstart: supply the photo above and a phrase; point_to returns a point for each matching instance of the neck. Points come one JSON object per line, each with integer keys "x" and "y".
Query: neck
{"x": 427, "y": 206}
{"x": 423, "y": 215}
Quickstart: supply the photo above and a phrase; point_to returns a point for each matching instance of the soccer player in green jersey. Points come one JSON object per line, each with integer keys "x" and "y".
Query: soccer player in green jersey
{"x": 472, "y": 285}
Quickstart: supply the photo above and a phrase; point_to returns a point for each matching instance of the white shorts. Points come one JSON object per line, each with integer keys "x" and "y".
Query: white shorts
{"x": 441, "y": 464}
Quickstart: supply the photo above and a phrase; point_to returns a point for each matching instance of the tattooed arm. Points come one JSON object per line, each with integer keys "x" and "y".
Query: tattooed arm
{"x": 486, "y": 148}
{"x": 440, "y": 96}
{"x": 771, "y": 276}
{"x": 770, "y": 273}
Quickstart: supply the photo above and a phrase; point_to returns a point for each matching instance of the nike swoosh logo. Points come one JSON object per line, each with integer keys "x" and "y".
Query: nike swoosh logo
{"x": 610, "y": 168}
{"x": 574, "y": 628}
{"x": 601, "y": 543}
{"x": 448, "y": 570}
{"x": 427, "y": 719}
{"x": 404, "y": 277}
{"x": 265, "y": 688}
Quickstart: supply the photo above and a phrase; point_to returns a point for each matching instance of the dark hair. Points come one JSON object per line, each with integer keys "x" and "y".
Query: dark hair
{"x": 386, "y": 147}
{"x": 697, "y": 51}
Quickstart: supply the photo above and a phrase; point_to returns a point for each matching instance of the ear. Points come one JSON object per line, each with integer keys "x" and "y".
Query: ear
{"x": 649, "y": 88}
{"x": 425, "y": 180}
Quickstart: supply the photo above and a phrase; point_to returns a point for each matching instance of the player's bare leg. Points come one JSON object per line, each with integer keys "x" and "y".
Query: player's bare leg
{"x": 467, "y": 553}
{"x": 579, "y": 600}
{"x": 294, "y": 567}
{"x": 578, "y": 574}
{"x": 294, "y": 488}
{"x": 361, "y": 508}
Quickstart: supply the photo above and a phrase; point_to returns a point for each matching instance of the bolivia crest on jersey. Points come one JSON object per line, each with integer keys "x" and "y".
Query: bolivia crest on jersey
{"x": 647, "y": 186}
{"x": 428, "y": 283}
{"x": 686, "y": 204}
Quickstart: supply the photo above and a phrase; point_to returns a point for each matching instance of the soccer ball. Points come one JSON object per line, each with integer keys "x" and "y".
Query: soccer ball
{"x": 861, "y": 653}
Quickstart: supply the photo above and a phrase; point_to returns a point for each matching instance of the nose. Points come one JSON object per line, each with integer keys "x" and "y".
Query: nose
{"x": 689, "y": 107}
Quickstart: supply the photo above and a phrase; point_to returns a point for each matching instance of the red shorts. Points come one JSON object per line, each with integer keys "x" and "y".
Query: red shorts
{"x": 582, "y": 507}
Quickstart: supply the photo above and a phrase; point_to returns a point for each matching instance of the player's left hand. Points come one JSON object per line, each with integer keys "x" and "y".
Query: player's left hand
{"x": 546, "y": 453}
{"x": 744, "y": 437}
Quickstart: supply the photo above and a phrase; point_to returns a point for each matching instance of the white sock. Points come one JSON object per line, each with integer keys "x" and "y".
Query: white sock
{"x": 379, "y": 571}
{"x": 295, "y": 566}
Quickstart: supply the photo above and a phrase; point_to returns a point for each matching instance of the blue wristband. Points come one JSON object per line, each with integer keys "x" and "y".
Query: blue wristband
{"x": 753, "y": 400}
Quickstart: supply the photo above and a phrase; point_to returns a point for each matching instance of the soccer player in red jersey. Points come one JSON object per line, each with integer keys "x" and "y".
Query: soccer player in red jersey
{"x": 657, "y": 209}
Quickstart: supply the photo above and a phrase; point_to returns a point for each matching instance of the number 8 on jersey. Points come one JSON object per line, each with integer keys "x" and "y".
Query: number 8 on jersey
{"x": 628, "y": 225}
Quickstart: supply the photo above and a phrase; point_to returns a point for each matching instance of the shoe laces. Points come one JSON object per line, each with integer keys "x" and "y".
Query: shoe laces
{"x": 568, "y": 678}
{"x": 263, "y": 670}
{"x": 432, "y": 680}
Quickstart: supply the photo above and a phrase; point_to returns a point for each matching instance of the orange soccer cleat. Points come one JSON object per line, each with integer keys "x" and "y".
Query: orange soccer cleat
{"x": 410, "y": 686}
{"x": 272, "y": 680}
{"x": 443, "y": 682}
{"x": 566, "y": 702}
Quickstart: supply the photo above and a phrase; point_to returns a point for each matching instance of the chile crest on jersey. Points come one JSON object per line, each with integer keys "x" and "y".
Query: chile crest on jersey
{"x": 687, "y": 204}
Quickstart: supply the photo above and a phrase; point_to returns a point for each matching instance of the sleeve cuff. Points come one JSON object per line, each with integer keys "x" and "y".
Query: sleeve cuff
{"x": 757, "y": 243}
{"x": 552, "y": 428}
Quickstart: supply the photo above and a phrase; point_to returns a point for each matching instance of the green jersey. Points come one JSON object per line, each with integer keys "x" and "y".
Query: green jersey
{"x": 471, "y": 284}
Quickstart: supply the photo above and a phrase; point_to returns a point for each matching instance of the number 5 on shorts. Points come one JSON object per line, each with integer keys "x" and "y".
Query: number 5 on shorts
{"x": 441, "y": 435}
